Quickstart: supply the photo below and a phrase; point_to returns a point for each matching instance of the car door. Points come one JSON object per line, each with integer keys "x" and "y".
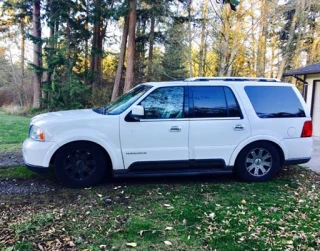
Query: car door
{"x": 217, "y": 125}
{"x": 159, "y": 140}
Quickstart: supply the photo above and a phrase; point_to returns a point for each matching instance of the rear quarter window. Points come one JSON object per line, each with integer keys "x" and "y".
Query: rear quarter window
{"x": 275, "y": 101}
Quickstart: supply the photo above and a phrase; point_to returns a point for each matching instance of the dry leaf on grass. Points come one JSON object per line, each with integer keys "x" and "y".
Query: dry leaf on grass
{"x": 168, "y": 243}
{"x": 131, "y": 244}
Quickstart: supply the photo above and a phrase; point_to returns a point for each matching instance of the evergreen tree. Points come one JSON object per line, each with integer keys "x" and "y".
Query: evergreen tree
{"x": 174, "y": 58}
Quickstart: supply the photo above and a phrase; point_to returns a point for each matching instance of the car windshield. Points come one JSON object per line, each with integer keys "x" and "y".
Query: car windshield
{"x": 126, "y": 100}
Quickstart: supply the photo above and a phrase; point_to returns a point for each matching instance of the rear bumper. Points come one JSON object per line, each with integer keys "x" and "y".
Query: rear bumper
{"x": 289, "y": 162}
{"x": 298, "y": 150}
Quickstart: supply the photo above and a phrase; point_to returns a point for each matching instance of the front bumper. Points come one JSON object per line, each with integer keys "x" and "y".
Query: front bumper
{"x": 38, "y": 154}
{"x": 37, "y": 169}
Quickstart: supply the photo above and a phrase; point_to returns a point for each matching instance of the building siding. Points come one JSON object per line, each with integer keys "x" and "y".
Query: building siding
{"x": 316, "y": 105}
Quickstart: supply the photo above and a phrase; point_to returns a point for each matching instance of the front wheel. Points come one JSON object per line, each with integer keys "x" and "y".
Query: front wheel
{"x": 258, "y": 162}
{"x": 80, "y": 164}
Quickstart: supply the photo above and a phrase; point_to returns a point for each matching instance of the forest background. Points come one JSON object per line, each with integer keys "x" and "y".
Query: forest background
{"x": 70, "y": 54}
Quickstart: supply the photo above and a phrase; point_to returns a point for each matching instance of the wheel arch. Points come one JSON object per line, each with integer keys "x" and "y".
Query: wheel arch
{"x": 105, "y": 152}
{"x": 277, "y": 144}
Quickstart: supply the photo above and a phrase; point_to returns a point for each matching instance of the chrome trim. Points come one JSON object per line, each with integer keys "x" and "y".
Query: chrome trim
{"x": 226, "y": 118}
{"x": 163, "y": 120}
{"x": 238, "y": 127}
{"x": 189, "y": 119}
{"x": 175, "y": 129}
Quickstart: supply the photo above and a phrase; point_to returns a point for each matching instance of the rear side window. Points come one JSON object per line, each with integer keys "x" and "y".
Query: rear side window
{"x": 214, "y": 102}
{"x": 275, "y": 101}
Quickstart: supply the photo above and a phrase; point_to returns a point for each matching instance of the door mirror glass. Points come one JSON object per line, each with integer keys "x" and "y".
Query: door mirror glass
{"x": 137, "y": 111}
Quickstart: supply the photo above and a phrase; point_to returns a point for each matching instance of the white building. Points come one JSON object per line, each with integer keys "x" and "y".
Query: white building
{"x": 310, "y": 76}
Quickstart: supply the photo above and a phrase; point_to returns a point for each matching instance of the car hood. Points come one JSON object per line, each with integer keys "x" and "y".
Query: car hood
{"x": 64, "y": 116}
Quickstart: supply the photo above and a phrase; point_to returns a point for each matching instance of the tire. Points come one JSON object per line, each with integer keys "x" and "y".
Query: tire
{"x": 80, "y": 164}
{"x": 258, "y": 161}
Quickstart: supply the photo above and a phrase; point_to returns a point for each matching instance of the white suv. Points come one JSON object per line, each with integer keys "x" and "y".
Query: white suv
{"x": 196, "y": 126}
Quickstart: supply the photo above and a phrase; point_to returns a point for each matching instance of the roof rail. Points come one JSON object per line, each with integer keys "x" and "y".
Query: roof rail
{"x": 178, "y": 79}
{"x": 232, "y": 79}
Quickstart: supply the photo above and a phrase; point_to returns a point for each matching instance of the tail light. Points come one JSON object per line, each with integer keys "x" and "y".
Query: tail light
{"x": 307, "y": 129}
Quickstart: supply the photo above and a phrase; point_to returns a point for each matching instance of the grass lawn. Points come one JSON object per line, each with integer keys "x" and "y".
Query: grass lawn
{"x": 16, "y": 172}
{"x": 198, "y": 213}
{"x": 13, "y": 131}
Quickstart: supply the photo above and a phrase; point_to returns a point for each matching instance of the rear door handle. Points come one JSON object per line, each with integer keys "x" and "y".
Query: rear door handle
{"x": 238, "y": 127}
{"x": 175, "y": 129}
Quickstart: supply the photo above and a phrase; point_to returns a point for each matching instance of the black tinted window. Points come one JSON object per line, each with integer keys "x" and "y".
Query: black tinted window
{"x": 275, "y": 101}
{"x": 233, "y": 107}
{"x": 164, "y": 103}
{"x": 209, "y": 101}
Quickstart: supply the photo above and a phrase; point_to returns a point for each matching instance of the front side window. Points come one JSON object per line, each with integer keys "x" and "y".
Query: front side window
{"x": 164, "y": 103}
{"x": 123, "y": 102}
{"x": 214, "y": 102}
{"x": 275, "y": 101}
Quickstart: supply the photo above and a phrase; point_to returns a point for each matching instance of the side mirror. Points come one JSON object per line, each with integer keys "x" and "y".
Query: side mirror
{"x": 137, "y": 111}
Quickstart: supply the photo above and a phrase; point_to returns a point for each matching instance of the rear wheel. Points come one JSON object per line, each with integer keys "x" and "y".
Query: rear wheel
{"x": 80, "y": 164}
{"x": 259, "y": 161}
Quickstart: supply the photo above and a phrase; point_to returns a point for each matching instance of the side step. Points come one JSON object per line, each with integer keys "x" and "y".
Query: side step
{"x": 173, "y": 173}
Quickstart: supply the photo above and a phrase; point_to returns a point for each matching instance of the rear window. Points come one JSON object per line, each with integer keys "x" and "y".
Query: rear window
{"x": 275, "y": 101}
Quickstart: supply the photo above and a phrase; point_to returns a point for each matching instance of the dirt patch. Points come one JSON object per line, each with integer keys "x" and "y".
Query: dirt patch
{"x": 11, "y": 158}
{"x": 22, "y": 186}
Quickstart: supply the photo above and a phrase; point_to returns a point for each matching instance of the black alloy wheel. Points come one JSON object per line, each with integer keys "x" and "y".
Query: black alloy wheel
{"x": 80, "y": 164}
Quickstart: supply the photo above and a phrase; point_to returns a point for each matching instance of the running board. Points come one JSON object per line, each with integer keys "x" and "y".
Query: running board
{"x": 173, "y": 173}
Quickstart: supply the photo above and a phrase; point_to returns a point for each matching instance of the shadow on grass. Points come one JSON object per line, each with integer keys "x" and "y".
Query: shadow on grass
{"x": 13, "y": 178}
{"x": 212, "y": 178}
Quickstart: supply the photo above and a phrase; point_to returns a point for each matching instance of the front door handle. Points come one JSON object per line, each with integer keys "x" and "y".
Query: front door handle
{"x": 175, "y": 129}
{"x": 238, "y": 127}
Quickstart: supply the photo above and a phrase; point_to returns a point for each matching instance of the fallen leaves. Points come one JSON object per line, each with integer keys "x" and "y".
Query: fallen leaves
{"x": 168, "y": 206}
{"x": 279, "y": 216}
{"x": 131, "y": 244}
{"x": 168, "y": 243}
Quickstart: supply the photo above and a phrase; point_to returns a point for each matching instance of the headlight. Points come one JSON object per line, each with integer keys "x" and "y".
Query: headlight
{"x": 36, "y": 133}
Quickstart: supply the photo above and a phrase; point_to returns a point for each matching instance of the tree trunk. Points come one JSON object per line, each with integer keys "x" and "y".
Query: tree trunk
{"x": 86, "y": 46}
{"x": 96, "y": 48}
{"x": 23, "y": 38}
{"x": 37, "y": 54}
{"x": 68, "y": 35}
{"x": 202, "y": 39}
{"x": 301, "y": 33}
{"x": 234, "y": 51}
{"x": 151, "y": 41}
{"x": 272, "y": 59}
{"x": 122, "y": 55}
{"x": 261, "y": 56}
{"x": 289, "y": 45}
{"x": 231, "y": 59}
{"x": 224, "y": 43}
{"x": 190, "y": 41}
{"x": 131, "y": 46}
{"x": 253, "y": 41}
{"x": 50, "y": 46}
{"x": 312, "y": 51}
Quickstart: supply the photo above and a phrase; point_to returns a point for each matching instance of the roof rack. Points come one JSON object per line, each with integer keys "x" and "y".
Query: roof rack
{"x": 231, "y": 79}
